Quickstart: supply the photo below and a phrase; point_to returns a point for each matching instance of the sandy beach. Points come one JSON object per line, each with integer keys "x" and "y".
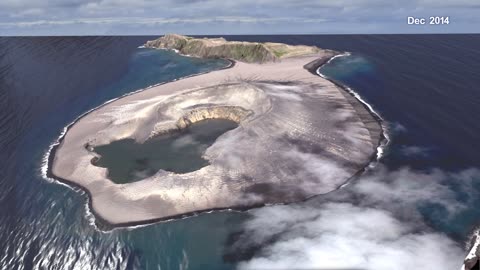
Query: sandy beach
{"x": 301, "y": 127}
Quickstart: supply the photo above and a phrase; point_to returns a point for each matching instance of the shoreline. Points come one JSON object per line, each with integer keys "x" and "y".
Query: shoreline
{"x": 46, "y": 165}
{"x": 473, "y": 251}
{"x": 384, "y": 138}
{"x": 105, "y": 225}
{"x": 48, "y": 158}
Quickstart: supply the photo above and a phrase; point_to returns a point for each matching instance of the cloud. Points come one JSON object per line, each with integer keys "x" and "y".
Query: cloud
{"x": 40, "y": 3}
{"x": 344, "y": 236}
{"x": 415, "y": 150}
{"x": 372, "y": 224}
{"x": 216, "y": 17}
{"x": 315, "y": 173}
{"x": 398, "y": 128}
{"x": 450, "y": 3}
{"x": 147, "y": 21}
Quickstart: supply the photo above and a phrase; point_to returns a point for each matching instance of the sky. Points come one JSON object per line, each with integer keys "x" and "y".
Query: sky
{"x": 215, "y": 17}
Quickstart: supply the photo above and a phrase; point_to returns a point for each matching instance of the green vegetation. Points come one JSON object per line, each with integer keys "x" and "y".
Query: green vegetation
{"x": 279, "y": 53}
{"x": 252, "y": 52}
{"x": 180, "y": 43}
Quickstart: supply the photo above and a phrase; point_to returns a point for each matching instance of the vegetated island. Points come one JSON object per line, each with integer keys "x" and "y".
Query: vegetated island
{"x": 249, "y": 52}
{"x": 296, "y": 135}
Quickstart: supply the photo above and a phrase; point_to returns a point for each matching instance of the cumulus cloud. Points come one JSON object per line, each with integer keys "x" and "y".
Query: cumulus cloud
{"x": 316, "y": 173}
{"x": 344, "y": 236}
{"x": 195, "y": 17}
{"x": 145, "y": 21}
{"x": 372, "y": 224}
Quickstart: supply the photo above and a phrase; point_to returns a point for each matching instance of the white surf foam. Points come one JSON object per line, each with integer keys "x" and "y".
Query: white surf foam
{"x": 473, "y": 250}
{"x": 383, "y": 143}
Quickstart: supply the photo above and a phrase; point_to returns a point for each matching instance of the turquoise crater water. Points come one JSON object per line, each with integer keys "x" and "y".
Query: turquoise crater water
{"x": 178, "y": 152}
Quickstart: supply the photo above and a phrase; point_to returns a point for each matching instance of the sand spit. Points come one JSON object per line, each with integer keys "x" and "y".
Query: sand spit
{"x": 299, "y": 135}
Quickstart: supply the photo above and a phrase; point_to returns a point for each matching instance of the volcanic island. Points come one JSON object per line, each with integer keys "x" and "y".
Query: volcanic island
{"x": 267, "y": 129}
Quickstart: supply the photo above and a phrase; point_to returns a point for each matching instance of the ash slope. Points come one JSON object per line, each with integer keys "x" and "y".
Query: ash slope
{"x": 299, "y": 135}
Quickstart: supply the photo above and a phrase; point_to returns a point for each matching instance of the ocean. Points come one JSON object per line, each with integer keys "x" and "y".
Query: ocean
{"x": 425, "y": 88}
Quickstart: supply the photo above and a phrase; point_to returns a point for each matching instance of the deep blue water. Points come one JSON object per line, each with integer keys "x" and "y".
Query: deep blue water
{"x": 426, "y": 87}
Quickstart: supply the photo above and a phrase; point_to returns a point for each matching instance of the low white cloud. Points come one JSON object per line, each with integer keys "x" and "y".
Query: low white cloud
{"x": 397, "y": 127}
{"x": 344, "y": 236}
{"x": 316, "y": 173}
{"x": 149, "y": 21}
{"x": 414, "y": 150}
{"x": 371, "y": 224}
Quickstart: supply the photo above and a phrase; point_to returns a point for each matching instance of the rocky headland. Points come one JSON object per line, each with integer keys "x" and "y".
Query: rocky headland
{"x": 250, "y": 52}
